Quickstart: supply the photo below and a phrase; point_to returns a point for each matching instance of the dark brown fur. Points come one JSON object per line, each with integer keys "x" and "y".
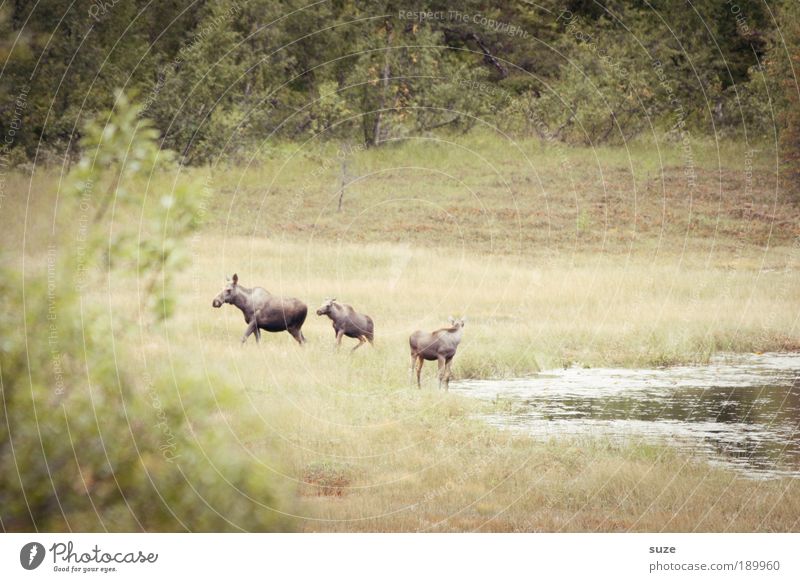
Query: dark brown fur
{"x": 262, "y": 310}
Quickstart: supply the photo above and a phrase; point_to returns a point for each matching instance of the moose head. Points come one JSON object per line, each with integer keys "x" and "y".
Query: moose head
{"x": 228, "y": 292}
{"x": 325, "y": 308}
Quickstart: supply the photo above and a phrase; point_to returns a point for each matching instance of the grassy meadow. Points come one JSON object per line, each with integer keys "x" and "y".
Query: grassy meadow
{"x": 556, "y": 256}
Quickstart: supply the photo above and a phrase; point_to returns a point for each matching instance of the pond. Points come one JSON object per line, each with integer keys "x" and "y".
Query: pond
{"x": 740, "y": 411}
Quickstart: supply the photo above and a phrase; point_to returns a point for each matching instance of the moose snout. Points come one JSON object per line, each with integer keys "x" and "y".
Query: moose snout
{"x": 216, "y": 303}
{"x": 320, "y": 312}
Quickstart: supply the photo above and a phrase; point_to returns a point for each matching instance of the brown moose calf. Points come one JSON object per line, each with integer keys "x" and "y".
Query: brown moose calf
{"x": 347, "y": 321}
{"x": 439, "y": 345}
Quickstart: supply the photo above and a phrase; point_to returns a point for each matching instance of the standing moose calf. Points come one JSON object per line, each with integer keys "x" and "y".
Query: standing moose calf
{"x": 440, "y": 345}
{"x": 262, "y": 310}
{"x": 347, "y": 321}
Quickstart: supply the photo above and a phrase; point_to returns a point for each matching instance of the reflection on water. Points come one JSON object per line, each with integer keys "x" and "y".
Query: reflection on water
{"x": 741, "y": 411}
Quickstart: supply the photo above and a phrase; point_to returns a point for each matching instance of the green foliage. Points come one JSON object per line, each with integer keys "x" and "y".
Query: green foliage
{"x": 604, "y": 93}
{"x": 225, "y": 76}
{"x": 329, "y": 108}
{"x": 748, "y": 110}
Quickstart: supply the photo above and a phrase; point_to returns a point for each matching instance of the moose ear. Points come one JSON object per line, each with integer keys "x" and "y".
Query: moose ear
{"x": 333, "y": 298}
{"x": 451, "y": 319}
{"x": 235, "y": 279}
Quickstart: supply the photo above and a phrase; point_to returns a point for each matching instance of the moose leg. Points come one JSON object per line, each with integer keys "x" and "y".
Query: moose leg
{"x": 251, "y": 327}
{"x": 361, "y": 341}
{"x": 442, "y": 370}
{"x": 339, "y": 334}
{"x": 297, "y": 335}
{"x": 420, "y": 361}
{"x": 256, "y": 329}
{"x": 447, "y": 374}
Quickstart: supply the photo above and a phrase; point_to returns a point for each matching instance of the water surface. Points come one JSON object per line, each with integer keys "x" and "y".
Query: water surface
{"x": 741, "y": 411}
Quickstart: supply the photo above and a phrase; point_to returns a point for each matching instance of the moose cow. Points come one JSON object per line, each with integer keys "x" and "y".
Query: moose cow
{"x": 262, "y": 310}
{"x": 347, "y": 321}
{"x": 440, "y": 345}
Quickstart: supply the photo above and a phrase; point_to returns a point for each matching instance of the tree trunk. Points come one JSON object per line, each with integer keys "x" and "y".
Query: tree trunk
{"x": 377, "y": 122}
